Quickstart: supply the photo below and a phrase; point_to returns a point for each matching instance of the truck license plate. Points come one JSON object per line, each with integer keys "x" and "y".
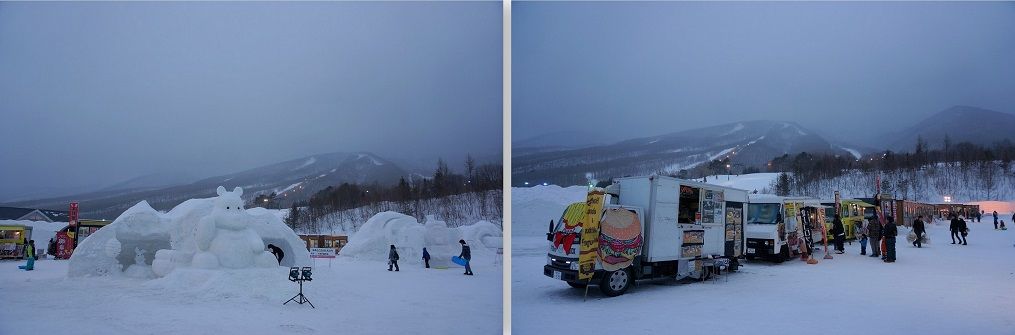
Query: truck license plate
{"x": 750, "y": 250}
{"x": 556, "y": 275}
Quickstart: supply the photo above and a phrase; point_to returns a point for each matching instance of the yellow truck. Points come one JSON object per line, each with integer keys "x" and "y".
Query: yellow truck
{"x": 852, "y": 212}
{"x": 12, "y": 240}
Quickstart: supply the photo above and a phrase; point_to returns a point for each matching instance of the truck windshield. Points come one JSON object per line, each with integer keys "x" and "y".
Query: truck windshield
{"x": 762, "y": 213}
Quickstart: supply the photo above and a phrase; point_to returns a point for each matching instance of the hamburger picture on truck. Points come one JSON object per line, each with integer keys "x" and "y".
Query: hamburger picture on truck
{"x": 645, "y": 228}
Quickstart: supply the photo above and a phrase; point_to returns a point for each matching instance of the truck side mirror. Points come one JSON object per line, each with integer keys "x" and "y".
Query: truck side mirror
{"x": 549, "y": 234}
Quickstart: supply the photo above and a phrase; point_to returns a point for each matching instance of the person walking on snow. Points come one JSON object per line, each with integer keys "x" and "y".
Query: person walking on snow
{"x": 839, "y": 233}
{"x": 860, "y": 232}
{"x": 889, "y": 233}
{"x": 467, "y": 256}
{"x": 874, "y": 234}
{"x": 393, "y": 258}
{"x": 29, "y": 256}
{"x": 963, "y": 231}
{"x": 995, "y": 219}
{"x": 919, "y": 230}
{"x": 426, "y": 258}
{"x": 954, "y": 228}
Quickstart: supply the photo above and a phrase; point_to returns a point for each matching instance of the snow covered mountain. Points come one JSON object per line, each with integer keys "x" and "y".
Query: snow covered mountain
{"x": 750, "y": 143}
{"x": 292, "y": 180}
{"x": 960, "y": 123}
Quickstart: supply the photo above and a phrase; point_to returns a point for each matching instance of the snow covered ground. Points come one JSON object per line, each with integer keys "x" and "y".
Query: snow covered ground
{"x": 351, "y": 296}
{"x": 939, "y": 289}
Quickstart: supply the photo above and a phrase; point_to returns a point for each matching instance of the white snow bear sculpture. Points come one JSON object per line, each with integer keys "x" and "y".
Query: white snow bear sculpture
{"x": 225, "y": 239}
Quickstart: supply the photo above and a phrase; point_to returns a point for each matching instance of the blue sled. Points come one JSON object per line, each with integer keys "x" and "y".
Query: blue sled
{"x": 459, "y": 260}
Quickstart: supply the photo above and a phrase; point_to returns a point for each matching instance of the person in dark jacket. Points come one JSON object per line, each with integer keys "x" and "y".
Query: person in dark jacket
{"x": 874, "y": 235}
{"x": 29, "y": 256}
{"x": 919, "y": 230}
{"x": 279, "y": 254}
{"x": 426, "y": 258}
{"x": 467, "y": 256}
{"x": 995, "y": 219}
{"x": 889, "y": 233}
{"x": 954, "y": 228}
{"x": 51, "y": 248}
{"x": 393, "y": 258}
{"x": 839, "y": 233}
{"x": 963, "y": 231}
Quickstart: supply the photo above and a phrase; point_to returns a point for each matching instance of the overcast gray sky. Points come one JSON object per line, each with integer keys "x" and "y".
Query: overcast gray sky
{"x": 642, "y": 69}
{"x": 95, "y": 93}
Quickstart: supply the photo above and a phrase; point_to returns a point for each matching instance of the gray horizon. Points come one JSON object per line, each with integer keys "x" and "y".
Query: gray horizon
{"x": 94, "y": 94}
{"x": 839, "y": 68}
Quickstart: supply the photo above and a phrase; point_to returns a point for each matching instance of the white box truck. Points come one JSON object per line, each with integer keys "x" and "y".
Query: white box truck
{"x": 775, "y": 226}
{"x": 652, "y": 227}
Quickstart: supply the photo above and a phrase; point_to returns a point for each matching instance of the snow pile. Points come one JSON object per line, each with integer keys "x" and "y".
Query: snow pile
{"x": 374, "y": 238}
{"x": 206, "y": 233}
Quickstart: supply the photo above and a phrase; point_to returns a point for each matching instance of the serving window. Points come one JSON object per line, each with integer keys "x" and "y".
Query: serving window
{"x": 689, "y": 203}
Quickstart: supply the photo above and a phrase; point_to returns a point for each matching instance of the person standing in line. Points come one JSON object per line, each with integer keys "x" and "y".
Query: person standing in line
{"x": 919, "y": 229}
{"x": 874, "y": 235}
{"x": 467, "y": 256}
{"x": 839, "y": 234}
{"x": 889, "y": 234}
{"x": 860, "y": 232}
{"x": 954, "y": 228}
{"x": 995, "y": 219}
{"x": 393, "y": 258}
{"x": 426, "y": 258}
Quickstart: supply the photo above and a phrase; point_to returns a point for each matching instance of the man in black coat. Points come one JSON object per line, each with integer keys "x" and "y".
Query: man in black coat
{"x": 839, "y": 233}
{"x": 954, "y": 228}
{"x": 963, "y": 231}
{"x": 889, "y": 233}
{"x": 279, "y": 254}
{"x": 919, "y": 230}
{"x": 995, "y": 219}
{"x": 467, "y": 256}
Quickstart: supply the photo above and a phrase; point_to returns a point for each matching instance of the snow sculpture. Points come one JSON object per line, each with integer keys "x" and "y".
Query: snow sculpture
{"x": 212, "y": 233}
{"x": 225, "y": 239}
{"x": 373, "y": 239}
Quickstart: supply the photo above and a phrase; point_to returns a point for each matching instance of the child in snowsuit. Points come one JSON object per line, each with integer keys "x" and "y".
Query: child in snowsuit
{"x": 393, "y": 258}
{"x": 860, "y": 232}
{"x": 29, "y": 256}
{"x": 467, "y": 256}
{"x": 426, "y": 258}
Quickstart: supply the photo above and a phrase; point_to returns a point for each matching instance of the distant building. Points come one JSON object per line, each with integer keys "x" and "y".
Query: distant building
{"x": 326, "y": 241}
{"x": 32, "y": 214}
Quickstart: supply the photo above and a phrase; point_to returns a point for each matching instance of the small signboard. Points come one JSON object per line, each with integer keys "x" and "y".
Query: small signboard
{"x": 322, "y": 253}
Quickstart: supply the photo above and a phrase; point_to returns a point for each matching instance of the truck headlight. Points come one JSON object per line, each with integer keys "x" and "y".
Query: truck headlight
{"x": 549, "y": 261}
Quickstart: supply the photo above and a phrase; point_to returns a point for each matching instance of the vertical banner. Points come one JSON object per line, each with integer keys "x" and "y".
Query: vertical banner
{"x": 590, "y": 235}
{"x": 72, "y": 214}
{"x": 64, "y": 245}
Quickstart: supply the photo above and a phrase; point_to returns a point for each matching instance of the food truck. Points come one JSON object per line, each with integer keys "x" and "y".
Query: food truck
{"x": 776, "y": 228}
{"x": 647, "y": 227}
{"x": 852, "y": 212}
{"x": 13, "y": 238}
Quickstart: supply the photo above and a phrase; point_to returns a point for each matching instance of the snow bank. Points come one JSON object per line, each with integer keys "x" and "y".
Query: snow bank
{"x": 373, "y": 240}
{"x": 143, "y": 241}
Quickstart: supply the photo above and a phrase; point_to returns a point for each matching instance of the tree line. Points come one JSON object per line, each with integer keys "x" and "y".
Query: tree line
{"x": 416, "y": 196}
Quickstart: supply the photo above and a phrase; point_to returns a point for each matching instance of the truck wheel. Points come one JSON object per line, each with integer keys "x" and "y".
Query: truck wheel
{"x": 615, "y": 283}
{"x": 749, "y": 257}
{"x": 734, "y": 265}
{"x": 783, "y": 255}
{"x": 577, "y": 284}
